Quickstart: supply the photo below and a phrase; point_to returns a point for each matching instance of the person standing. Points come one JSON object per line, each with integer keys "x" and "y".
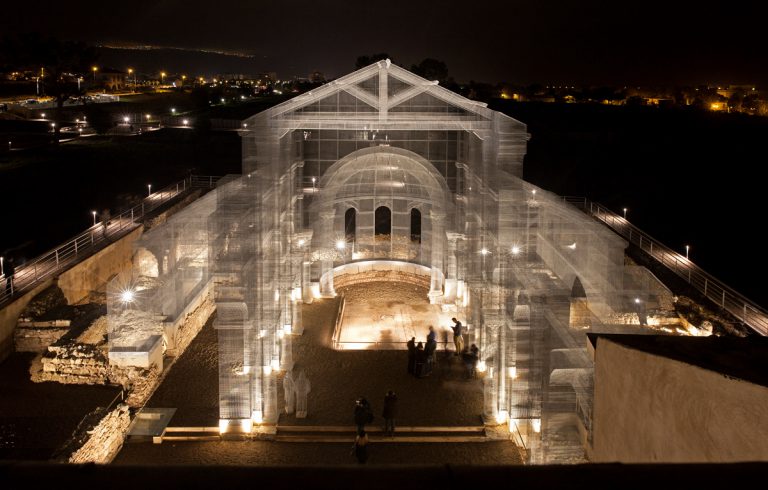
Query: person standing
{"x": 390, "y": 412}
{"x": 432, "y": 335}
{"x": 9, "y": 269}
{"x": 458, "y": 339}
{"x": 363, "y": 414}
{"x": 411, "y": 354}
{"x": 105, "y": 217}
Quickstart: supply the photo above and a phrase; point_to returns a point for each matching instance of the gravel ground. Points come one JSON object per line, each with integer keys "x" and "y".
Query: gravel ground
{"x": 338, "y": 377}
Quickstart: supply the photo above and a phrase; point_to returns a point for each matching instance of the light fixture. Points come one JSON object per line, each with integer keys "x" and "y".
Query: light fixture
{"x": 341, "y": 244}
{"x": 515, "y": 250}
{"x": 625, "y": 213}
{"x": 484, "y": 251}
{"x": 127, "y": 296}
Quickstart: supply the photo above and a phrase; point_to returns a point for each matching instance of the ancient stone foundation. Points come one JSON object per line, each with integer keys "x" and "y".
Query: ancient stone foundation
{"x": 106, "y": 439}
{"x": 31, "y": 336}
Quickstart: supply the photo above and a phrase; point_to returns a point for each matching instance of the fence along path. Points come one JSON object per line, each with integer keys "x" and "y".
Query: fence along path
{"x": 749, "y": 312}
{"x": 33, "y": 272}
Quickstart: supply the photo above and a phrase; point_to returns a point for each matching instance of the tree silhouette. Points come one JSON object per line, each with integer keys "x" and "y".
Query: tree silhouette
{"x": 431, "y": 69}
{"x": 365, "y": 60}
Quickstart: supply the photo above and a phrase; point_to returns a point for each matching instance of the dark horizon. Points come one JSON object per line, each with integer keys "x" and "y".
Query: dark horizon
{"x": 592, "y": 42}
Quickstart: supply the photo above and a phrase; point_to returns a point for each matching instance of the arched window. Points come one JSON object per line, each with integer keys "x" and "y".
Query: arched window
{"x": 383, "y": 221}
{"x": 350, "y": 225}
{"x": 415, "y": 225}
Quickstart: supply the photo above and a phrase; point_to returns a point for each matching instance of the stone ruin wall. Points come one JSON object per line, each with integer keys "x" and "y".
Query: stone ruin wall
{"x": 106, "y": 438}
{"x": 350, "y": 279}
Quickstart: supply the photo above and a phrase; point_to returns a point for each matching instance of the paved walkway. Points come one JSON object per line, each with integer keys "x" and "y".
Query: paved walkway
{"x": 338, "y": 377}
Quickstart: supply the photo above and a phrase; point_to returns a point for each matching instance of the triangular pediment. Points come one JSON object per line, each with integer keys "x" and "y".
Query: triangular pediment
{"x": 381, "y": 88}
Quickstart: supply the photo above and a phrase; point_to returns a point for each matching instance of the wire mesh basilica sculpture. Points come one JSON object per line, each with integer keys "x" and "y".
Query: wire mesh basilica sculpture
{"x": 383, "y": 164}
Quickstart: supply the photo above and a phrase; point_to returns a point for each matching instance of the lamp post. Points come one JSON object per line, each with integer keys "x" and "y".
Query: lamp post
{"x": 625, "y": 213}
{"x": 149, "y": 190}
{"x": 95, "y": 69}
{"x": 94, "y": 217}
{"x": 162, "y": 77}
{"x": 313, "y": 185}
{"x": 130, "y": 71}
{"x": 687, "y": 248}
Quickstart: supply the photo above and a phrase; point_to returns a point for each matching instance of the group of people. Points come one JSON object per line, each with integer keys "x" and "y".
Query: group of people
{"x": 422, "y": 358}
{"x": 364, "y": 415}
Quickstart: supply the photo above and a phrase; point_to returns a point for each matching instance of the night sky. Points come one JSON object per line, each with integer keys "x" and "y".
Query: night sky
{"x": 545, "y": 41}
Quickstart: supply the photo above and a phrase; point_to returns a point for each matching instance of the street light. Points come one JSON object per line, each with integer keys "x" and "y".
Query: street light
{"x": 313, "y": 185}
{"x": 162, "y": 77}
{"x": 687, "y": 248}
{"x": 149, "y": 190}
{"x": 94, "y": 217}
{"x": 95, "y": 69}
{"x": 625, "y": 213}
{"x": 130, "y": 70}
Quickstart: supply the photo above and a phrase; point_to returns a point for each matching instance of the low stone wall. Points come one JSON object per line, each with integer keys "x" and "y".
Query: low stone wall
{"x": 386, "y": 276}
{"x": 37, "y": 336}
{"x": 106, "y": 439}
{"x": 73, "y": 363}
{"x": 191, "y": 321}
{"x": 389, "y": 271}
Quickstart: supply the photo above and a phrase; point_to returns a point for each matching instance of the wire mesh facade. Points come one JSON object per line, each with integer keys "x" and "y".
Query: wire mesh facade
{"x": 382, "y": 164}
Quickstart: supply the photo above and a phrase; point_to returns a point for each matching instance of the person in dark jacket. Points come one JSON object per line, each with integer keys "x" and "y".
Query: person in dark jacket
{"x": 411, "y": 354}
{"x": 363, "y": 413}
{"x": 429, "y": 354}
{"x": 420, "y": 369}
{"x": 390, "y": 412}
{"x": 9, "y": 269}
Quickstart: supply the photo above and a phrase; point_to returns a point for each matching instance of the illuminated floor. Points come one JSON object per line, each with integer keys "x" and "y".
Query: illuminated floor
{"x": 385, "y": 315}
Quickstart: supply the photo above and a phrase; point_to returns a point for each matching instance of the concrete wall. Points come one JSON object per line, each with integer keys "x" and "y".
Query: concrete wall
{"x": 93, "y": 272}
{"x": 650, "y": 409}
{"x": 9, "y": 316}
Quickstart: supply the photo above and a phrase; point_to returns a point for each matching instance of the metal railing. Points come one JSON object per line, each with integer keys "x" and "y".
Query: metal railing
{"x": 64, "y": 256}
{"x": 726, "y": 297}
